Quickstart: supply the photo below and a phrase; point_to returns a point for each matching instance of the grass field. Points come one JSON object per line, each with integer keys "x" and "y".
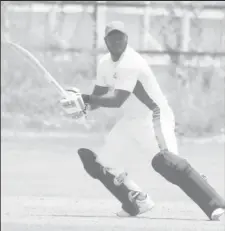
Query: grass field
{"x": 45, "y": 188}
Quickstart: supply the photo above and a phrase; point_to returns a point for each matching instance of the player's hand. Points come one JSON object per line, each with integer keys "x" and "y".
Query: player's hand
{"x": 73, "y": 105}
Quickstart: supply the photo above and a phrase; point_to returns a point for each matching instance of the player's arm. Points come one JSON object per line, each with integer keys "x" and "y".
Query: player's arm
{"x": 114, "y": 101}
{"x": 125, "y": 85}
{"x": 98, "y": 91}
{"x": 69, "y": 104}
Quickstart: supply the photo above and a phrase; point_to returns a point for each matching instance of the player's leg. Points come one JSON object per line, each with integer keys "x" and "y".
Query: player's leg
{"x": 107, "y": 168}
{"x": 164, "y": 130}
{"x": 179, "y": 172}
{"x": 118, "y": 183}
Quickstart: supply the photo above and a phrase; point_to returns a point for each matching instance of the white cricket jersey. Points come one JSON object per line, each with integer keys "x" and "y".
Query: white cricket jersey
{"x": 132, "y": 73}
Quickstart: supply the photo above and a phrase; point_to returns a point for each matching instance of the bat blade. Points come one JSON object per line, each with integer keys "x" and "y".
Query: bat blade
{"x": 37, "y": 65}
{"x": 40, "y": 68}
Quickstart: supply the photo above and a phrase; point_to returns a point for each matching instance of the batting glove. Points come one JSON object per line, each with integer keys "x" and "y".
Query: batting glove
{"x": 74, "y": 105}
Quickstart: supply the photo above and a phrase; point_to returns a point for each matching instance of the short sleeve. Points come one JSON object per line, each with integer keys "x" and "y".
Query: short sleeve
{"x": 126, "y": 79}
{"x": 100, "y": 81}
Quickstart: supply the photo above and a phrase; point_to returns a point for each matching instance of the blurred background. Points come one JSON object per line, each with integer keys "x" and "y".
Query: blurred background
{"x": 183, "y": 42}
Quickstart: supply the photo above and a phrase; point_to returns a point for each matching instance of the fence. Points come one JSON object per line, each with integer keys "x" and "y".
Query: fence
{"x": 184, "y": 44}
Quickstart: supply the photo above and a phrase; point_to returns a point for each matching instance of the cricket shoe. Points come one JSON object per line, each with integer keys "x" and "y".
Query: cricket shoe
{"x": 217, "y": 213}
{"x": 144, "y": 203}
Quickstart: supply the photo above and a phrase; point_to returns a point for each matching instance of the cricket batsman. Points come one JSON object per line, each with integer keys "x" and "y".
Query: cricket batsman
{"x": 124, "y": 80}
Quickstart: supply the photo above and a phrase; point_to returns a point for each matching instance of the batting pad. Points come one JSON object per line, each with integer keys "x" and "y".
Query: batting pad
{"x": 179, "y": 172}
{"x": 119, "y": 188}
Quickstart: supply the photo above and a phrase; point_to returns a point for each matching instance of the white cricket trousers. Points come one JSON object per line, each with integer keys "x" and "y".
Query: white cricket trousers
{"x": 133, "y": 141}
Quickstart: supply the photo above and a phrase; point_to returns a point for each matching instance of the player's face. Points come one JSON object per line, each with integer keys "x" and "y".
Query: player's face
{"x": 116, "y": 43}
